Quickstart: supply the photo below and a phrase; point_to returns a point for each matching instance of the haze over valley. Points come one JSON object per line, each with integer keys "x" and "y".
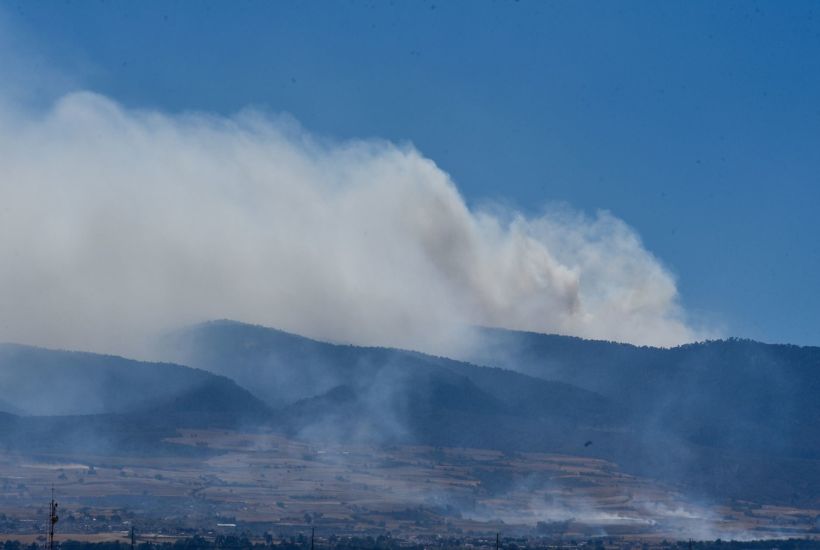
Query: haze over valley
{"x": 543, "y": 435}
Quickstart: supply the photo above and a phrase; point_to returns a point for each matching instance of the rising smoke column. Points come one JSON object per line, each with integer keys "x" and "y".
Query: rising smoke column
{"x": 118, "y": 223}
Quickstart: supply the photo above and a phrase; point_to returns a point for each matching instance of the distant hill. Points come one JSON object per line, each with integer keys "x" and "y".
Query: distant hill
{"x": 282, "y": 368}
{"x": 285, "y": 370}
{"x": 727, "y": 419}
{"x": 101, "y": 402}
{"x": 6, "y": 407}
{"x": 730, "y": 419}
{"x": 37, "y": 381}
{"x": 278, "y": 367}
{"x": 433, "y": 405}
{"x": 737, "y": 395}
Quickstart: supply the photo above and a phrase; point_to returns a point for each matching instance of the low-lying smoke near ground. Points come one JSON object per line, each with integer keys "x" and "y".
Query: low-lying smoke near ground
{"x": 117, "y": 223}
{"x": 572, "y": 438}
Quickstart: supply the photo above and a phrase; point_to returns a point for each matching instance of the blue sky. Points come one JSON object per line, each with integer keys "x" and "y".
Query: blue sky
{"x": 698, "y": 123}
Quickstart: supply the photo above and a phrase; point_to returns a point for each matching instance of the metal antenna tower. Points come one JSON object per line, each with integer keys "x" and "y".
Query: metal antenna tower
{"x": 52, "y": 519}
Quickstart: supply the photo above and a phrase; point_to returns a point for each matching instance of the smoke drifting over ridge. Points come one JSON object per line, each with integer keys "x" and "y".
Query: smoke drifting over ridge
{"x": 118, "y": 223}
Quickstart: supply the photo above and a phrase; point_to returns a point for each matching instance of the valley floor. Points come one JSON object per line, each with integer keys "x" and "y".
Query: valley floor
{"x": 259, "y": 483}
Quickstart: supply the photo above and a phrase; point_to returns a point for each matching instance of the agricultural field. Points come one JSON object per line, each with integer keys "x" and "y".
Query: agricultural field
{"x": 262, "y": 482}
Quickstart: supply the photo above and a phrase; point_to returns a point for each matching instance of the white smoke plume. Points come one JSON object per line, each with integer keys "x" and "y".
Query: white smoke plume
{"x": 118, "y": 223}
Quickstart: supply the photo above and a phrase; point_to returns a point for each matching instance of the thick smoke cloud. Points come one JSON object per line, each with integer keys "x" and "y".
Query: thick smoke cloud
{"x": 118, "y": 223}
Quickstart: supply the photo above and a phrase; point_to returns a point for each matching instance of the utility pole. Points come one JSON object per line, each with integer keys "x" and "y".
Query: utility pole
{"x": 52, "y": 519}
{"x": 133, "y": 537}
{"x": 312, "y": 533}
{"x": 497, "y": 541}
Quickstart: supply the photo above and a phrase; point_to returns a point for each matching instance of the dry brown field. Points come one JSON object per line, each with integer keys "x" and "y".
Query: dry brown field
{"x": 257, "y": 482}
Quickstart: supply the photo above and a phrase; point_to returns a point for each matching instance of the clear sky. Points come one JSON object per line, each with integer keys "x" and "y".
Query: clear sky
{"x": 697, "y": 123}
